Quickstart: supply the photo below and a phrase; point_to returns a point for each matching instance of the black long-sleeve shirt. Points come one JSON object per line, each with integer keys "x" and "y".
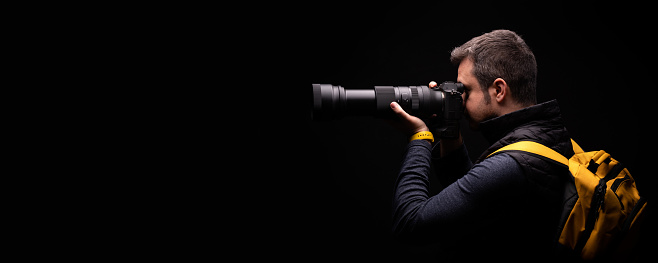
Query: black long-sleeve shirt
{"x": 505, "y": 207}
{"x": 469, "y": 208}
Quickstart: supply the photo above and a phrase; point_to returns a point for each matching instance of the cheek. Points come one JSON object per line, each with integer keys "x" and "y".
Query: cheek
{"x": 473, "y": 106}
{"x": 470, "y": 103}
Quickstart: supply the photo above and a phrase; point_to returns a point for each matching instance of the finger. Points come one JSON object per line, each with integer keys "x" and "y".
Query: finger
{"x": 398, "y": 110}
{"x": 432, "y": 84}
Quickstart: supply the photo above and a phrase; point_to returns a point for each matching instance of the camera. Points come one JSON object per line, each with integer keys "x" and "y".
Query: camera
{"x": 332, "y": 102}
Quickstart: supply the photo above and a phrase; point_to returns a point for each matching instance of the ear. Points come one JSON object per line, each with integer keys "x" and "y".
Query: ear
{"x": 500, "y": 90}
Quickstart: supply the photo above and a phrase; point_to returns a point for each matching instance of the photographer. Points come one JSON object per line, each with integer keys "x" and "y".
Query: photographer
{"x": 503, "y": 207}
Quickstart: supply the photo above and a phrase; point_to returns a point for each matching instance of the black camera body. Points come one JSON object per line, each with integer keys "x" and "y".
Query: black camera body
{"x": 333, "y": 102}
{"x": 453, "y": 108}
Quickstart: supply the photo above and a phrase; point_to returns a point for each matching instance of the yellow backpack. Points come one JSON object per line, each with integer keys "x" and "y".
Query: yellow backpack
{"x": 602, "y": 207}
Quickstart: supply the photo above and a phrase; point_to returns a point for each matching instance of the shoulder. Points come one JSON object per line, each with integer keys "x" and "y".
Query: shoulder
{"x": 499, "y": 165}
{"x": 500, "y": 171}
{"x": 499, "y": 161}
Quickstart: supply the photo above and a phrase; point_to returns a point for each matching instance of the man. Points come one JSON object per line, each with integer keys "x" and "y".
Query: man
{"x": 502, "y": 207}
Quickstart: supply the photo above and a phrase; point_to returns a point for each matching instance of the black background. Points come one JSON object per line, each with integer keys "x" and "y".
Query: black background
{"x": 325, "y": 188}
{"x": 205, "y": 143}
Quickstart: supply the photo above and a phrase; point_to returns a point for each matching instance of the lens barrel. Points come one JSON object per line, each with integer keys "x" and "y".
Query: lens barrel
{"x": 334, "y": 102}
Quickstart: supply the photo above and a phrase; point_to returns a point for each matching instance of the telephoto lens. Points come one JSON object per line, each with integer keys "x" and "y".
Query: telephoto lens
{"x": 332, "y": 102}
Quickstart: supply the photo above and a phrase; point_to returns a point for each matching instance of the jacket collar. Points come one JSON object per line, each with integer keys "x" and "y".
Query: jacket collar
{"x": 496, "y": 128}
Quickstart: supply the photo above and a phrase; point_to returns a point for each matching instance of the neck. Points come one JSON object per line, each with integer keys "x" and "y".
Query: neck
{"x": 496, "y": 128}
{"x": 509, "y": 107}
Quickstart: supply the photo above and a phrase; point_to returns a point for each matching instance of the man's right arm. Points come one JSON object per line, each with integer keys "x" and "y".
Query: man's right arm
{"x": 462, "y": 207}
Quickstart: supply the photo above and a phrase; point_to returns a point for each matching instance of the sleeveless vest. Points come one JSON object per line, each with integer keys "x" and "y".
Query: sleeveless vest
{"x": 541, "y": 123}
{"x": 538, "y": 212}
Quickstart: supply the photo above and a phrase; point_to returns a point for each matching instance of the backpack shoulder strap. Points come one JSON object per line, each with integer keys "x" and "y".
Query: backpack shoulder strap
{"x": 536, "y": 149}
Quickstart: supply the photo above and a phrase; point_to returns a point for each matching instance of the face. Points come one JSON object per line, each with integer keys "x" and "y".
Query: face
{"x": 476, "y": 107}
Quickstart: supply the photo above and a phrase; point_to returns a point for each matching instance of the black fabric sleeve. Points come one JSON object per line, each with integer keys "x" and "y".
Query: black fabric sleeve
{"x": 462, "y": 205}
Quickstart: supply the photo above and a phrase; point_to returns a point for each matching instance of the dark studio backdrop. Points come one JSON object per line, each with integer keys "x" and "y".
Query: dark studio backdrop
{"x": 328, "y": 185}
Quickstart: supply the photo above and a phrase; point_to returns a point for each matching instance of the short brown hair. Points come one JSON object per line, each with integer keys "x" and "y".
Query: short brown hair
{"x": 501, "y": 54}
